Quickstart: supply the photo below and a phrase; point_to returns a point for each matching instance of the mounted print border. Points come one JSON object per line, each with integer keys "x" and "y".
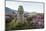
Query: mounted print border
{"x": 24, "y": 20}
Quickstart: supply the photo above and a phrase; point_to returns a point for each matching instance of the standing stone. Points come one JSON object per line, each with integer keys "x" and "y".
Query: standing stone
{"x": 20, "y": 14}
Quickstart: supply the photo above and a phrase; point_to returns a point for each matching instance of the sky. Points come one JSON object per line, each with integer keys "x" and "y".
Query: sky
{"x": 28, "y": 6}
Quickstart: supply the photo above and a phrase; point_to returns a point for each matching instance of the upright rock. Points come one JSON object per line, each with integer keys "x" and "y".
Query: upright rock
{"x": 20, "y": 15}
